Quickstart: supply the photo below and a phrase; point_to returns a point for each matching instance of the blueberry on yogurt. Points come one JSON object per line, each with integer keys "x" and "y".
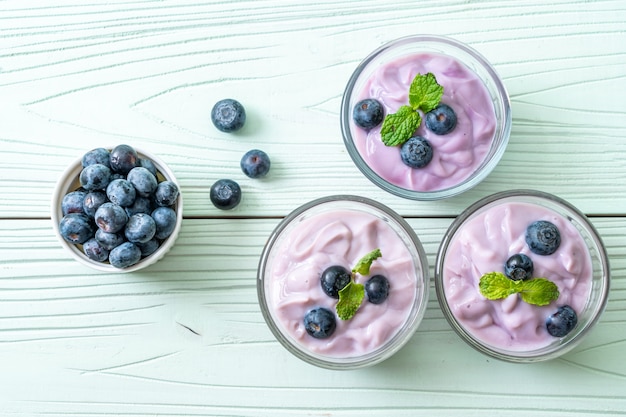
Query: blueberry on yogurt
{"x": 441, "y": 120}
{"x": 377, "y": 289}
{"x": 333, "y": 279}
{"x": 416, "y": 152}
{"x": 519, "y": 267}
{"x": 543, "y": 237}
{"x": 368, "y": 113}
{"x": 562, "y": 321}
{"x": 320, "y": 323}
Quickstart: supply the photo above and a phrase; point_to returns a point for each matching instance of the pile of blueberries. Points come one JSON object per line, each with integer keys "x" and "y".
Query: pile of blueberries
{"x": 122, "y": 212}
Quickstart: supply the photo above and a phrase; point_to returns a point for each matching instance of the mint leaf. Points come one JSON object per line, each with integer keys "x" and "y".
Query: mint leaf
{"x": 425, "y": 93}
{"x": 398, "y": 127}
{"x": 496, "y": 285}
{"x": 363, "y": 266}
{"x": 350, "y": 299}
{"x": 539, "y": 291}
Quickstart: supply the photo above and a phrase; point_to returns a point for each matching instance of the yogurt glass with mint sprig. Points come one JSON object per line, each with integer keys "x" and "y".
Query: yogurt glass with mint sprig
{"x": 405, "y": 80}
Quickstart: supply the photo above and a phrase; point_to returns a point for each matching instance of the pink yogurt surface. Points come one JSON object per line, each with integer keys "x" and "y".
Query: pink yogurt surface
{"x": 457, "y": 154}
{"x": 483, "y": 244}
{"x": 341, "y": 238}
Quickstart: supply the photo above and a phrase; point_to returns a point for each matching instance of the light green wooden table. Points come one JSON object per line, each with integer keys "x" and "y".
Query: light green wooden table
{"x": 186, "y": 337}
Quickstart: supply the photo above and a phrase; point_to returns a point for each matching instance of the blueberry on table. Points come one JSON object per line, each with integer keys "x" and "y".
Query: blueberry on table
{"x": 123, "y": 158}
{"x": 111, "y": 218}
{"x": 368, "y": 113}
{"x": 73, "y": 202}
{"x": 320, "y": 322}
{"x": 121, "y": 192}
{"x": 416, "y": 152}
{"x": 255, "y": 163}
{"x": 95, "y": 177}
{"x": 225, "y": 194}
{"x": 125, "y": 255}
{"x": 95, "y": 251}
{"x": 143, "y": 180}
{"x": 165, "y": 221}
{"x": 76, "y": 228}
{"x": 92, "y": 201}
{"x": 519, "y": 267}
{"x": 109, "y": 240}
{"x": 228, "y": 115}
{"x": 166, "y": 193}
{"x": 562, "y": 321}
{"x": 333, "y": 279}
{"x": 441, "y": 120}
{"x": 377, "y": 289}
{"x": 140, "y": 228}
{"x": 543, "y": 237}
{"x": 97, "y": 156}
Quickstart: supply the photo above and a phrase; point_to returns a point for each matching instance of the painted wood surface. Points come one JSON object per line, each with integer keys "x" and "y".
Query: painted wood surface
{"x": 186, "y": 337}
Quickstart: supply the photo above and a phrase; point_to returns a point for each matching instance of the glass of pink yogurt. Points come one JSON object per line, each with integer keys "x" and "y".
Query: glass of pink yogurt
{"x": 338, "y": 231}
{"x": 498, "y": 228}
{"x": 462, "y": 157}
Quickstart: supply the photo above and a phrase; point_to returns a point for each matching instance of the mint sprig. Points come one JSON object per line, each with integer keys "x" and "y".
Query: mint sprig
{"x": 351, "y": 296}
{"x": 536, "y": 291}
{"x": 424, "y": 94}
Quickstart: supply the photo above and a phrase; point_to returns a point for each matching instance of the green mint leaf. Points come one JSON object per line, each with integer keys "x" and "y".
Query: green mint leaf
{"x": 496, "y": 285}
{"x": 539, "y": 291}
{"x": 425, "y": 93}
{"x": 363, "y": 266}
{"x": 398, "y": 127}
{"x": 350, "y": 299}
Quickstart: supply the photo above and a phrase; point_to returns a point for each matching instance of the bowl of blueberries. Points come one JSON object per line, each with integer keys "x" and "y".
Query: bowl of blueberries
{"x": 117, "y": 209}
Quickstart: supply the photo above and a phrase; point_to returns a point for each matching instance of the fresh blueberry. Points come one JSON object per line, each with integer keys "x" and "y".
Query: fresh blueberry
{"x": 225, "y": 194}
{"x": 92, "y": 201}
{"x": 111, "y": 217}
{"x": 416, "y": 152}
{"x": 141, "y": 205}
{"x": 333, "y": 279}
{"x": 148, "y": 164}
{"x": 124, "y": 255}
{"x": 95, "y": 177}
{"x": 95, "y": 251}
{"x": 109, "y": 240}
{"x": 73, "y": 202}
{"x": 97, "y": 156}
{"x": 149, "y": 247}
{"x": 142, "y": 179}
{"x": 166, "y": 193}
{"x": 123, "y": 158}
{"x": 76, "y": 228}
{"x": 368, "y": 113}
{"x": 121, "y": 192}
{"x": 228, "y": 115}
{"x": 441, "y": 120}
{"x": 543, "y": 237}
{"x": 320, "y": 322}
{"x": 377, "y": 289}
{"x": 519, "y": 267}
{"x": 165, "y": 221}
{"x": 255, "y": 163}
{"x": 140, "y": 228}
{"x": 562, "y": 322}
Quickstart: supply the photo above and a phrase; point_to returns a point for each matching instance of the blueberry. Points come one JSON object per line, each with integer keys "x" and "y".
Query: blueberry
{"x": 95, "y": 251}
{"x": 543, "y": 237}
{"x": 148, "y": 164}
{"x": 368, "y": 113}
{"x": 142, "y": 179}
{"x": 320, "y": 322}
{"x": 95, "y": 177}
{"x": 165, "y": 221}
{"x": 73, "y": 202}
{"x": 255, "y": 163}
{"x": 228, "y": 115}
{"x": 333, "y": 279}
{"x": 109, "y": 240}
{"x": 225, "y": 194}
{"x": 166, "y": 193}
{"x": 110, "y": 217}
{"x": 377, "y": 289}
{"x": 97, "y": 156}
{"x": 519, "y": 267}
{"x": 124, "y": 255}
{"x": 441, "y": 120}
{"x": 121, "y": 192}
{"x": 149, "y": 247}
{"x": 140, "y": 228}
{"x": 562, "y": 322}
{"x": 416, "y": 152}
{"x": 123, "y": 158}
{"x": 141, "y": 205}
{"x": 76, "y": 228}
{"x": 92, "y": 201}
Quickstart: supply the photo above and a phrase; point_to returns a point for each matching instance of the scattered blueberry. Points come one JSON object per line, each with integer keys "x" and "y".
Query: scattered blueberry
{"x": 143, "y": 180}
{"x": 95, "y": 177}
{"x": 76, "y": 228}
{"x": 377, "y": 289}
{"x": 123, "y": 159}
{"x": 109, "y": 240}
{"x": 125, "y": 255}
{"x": 140, "y": 228}
{"x": 543, "y": 237}
{"x": 166, "y": 193}
{"x": 111, "y": 217}
{"x": 73, "y": 202}
{"x": 121, "y": 192}
{"x": 368, "y": 113}
{"x": 416, "y": 152}
{"x": 165, "y": 221}
{"x": 225, "y": 194}
{"x": 255, "y": 163}
{"x": 562, "y": 322}
{"x": 519, "y": 267}
{"x": 228, "y": 115}
{"x": 95, "y": 251}
{"x": 92, "y": 201}
{"x": 333, "y": 279}
{"x": 97, "y": 156}
{"x": 320, "y": 322}
{"x": 441, "y": 120}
